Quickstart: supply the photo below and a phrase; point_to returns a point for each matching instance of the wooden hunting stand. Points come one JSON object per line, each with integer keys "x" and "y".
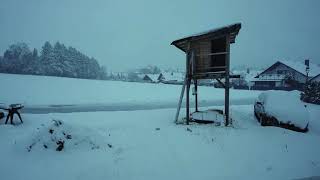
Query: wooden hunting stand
{"x": 207, "y": 57}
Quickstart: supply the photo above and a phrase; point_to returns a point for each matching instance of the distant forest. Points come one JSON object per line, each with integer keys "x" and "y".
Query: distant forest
{"x": 57, "y": 60}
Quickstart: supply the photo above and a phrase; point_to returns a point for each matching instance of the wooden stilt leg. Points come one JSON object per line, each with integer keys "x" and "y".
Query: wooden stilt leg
{"x": 180, "y": 100}
{"x": 11, "y": 118}
{"x": 8, "y": 115}
{"x": 196, "y": 93}
{"x": 187, "y": 101}
{"x": 227, "y": 83}
{"x": 19, "y": 116}
{"x": 226, "y": 108}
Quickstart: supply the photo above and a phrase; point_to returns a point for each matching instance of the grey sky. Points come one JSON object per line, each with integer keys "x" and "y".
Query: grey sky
{"x": 125, "y": 34}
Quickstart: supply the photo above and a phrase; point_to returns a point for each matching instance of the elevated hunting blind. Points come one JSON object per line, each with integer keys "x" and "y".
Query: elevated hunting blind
{"x": 207, "y": 57}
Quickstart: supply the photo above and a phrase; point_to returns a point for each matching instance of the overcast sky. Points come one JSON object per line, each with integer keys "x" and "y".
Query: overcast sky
{"x": 128, "y": 34}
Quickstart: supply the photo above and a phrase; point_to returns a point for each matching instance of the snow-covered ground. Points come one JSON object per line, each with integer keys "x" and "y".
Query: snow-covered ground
{"x": 53, "y": 94}
{"x": 144, "y": 144}
{"x": 147, "y": 144}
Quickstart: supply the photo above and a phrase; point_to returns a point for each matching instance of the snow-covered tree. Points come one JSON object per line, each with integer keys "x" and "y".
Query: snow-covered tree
{"x": 311, "y": 93}
{"x": 16, "y": 58}
{"x": 49, "y": 61}
{"x": 54, "y": 60}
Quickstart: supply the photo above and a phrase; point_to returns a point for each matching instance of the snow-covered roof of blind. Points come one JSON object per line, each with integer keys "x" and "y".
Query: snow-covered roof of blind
{"x": 232, "y": 30}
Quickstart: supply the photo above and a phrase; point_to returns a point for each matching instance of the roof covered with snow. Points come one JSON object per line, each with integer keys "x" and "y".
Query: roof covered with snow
{"x": 301, "y": 67}
{"x": 298, "y": 66}
{"x": 316, "y": 78}
{"x": 232, "y": 30}
{"x": 153, "y": 77}
{"x": 173, "y": 76}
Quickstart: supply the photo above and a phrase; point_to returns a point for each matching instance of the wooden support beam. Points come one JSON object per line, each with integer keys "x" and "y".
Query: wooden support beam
{"x": 220, "y": 82}
{"x": 188, "y": 75}
{"x": 196, "y": 93}
{"x": 227, "y": 82}
{"x": 234, "y": 76}
{"x": 203, "y": 68}
{"x": 188, "y": 101}
{"x": 211, "y": 75}
{"x": 180, "y": 100}
{"x": 212, "y": 54}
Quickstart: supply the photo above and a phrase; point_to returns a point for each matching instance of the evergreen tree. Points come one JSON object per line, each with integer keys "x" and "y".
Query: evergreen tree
{"x": 49, "y": 61}
{"x": 311, "y": 93}
{"x": 53, "y": 61}
{"x": 35, "y": 53}
{"x": 16, "y": 58}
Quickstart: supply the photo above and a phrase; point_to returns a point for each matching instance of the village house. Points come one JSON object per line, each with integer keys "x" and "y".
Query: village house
{"x": 118, "y": 76}
{"x": 285, "y": 75}
{"x": 244, "y": 82}
{"x": 149, "y": 78}
{"x": 171, "y": 77}
{"x": 164, "y": 77}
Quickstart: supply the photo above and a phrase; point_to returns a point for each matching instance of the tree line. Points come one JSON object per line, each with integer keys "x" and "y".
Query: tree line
{"x": 57, "y": 60}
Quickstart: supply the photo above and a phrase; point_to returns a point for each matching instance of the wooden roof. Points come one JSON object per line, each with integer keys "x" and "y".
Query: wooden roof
{"x": 232, "y": 30}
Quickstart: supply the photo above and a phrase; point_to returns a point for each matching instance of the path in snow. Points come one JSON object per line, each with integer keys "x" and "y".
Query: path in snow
{"x": 121, "y": 107}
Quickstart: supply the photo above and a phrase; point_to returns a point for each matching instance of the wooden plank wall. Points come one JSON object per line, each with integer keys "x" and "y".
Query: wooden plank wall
{"x": 202, "y": 49}
{"x": 207, "y": 56}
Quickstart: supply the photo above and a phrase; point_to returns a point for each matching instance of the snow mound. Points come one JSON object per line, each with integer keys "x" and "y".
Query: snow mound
{"x": 59, "y": 136}
{"x": 286, "y": 107}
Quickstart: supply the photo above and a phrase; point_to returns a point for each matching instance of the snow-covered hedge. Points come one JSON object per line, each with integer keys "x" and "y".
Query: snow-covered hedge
{"x": 286, "y": 107}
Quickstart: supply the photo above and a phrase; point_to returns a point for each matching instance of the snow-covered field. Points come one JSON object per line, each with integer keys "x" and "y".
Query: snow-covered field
{"x": 144, "y": 144}
{"x": 53, "y": 94}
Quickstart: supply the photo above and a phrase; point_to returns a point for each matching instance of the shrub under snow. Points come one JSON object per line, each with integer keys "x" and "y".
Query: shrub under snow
{"x": 311, "y": 93}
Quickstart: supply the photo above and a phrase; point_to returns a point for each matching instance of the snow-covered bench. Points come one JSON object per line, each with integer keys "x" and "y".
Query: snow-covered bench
{"x": 12, "y": 109}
